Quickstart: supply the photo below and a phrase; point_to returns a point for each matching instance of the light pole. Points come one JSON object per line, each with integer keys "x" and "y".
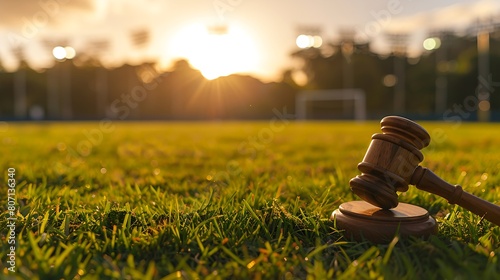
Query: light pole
{"x": 347, "y": 49}
{"x": 20, "y": 101}
{"x": 97, "y": 48}
{"x": 309, "y": 41}
{"x": 62, "y": 54}
{"x": 483, "y": 29}
{"x": 438, "y": 42}
{"x": 398, "y": 45}
{"x": 53, "y": 85}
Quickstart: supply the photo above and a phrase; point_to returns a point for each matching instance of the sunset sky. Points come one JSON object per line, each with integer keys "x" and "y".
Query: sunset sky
{"x": 260, "y": 34}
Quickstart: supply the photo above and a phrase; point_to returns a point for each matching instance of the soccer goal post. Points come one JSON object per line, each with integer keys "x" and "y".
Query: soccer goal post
{"x": 331, "y": 104}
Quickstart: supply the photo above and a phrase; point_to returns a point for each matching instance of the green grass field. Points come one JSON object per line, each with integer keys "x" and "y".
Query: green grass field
{"x": 230, "y": 201}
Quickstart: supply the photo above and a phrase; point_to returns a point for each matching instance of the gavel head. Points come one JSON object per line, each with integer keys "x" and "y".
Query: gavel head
{"x": 390, "y": 161}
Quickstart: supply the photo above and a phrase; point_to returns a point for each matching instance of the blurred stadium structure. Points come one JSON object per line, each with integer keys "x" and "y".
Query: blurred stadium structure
{"x": 457, "y": 75}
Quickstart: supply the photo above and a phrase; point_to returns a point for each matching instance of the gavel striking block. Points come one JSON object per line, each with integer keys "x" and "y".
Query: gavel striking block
{"x": 391, "y": 163}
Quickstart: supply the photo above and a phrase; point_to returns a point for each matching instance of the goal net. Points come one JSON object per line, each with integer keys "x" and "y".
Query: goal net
{"x": 331, "y": 104}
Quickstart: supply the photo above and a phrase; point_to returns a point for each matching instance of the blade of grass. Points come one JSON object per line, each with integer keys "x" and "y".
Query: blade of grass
{"x": 254, "y": 215}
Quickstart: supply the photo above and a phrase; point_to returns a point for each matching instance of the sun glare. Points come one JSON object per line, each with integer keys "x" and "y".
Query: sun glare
{"x": 217, "y": 50}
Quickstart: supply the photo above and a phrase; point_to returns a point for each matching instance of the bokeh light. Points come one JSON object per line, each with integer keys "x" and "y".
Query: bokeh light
{"x": 309, "y": 41}
{"x": 70, "y": 52}
{"x": 59, "y": 53}
{"x": 299, "y": 77}
{"x": 389, "y": 80}
{"x": 62, "y": 53}
{"x": 303, "y": 41}
{"x": 431, "y": 44}
{"x": 317, "y": 41}
{"x": 484, "y": 105}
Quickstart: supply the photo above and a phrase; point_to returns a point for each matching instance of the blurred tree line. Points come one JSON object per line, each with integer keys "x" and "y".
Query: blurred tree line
{"x": 90, "y": 91}
{"x": 139, "y": 92}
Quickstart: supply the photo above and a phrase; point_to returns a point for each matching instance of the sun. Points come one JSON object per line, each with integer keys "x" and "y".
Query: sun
{"x": 216, "y": 50}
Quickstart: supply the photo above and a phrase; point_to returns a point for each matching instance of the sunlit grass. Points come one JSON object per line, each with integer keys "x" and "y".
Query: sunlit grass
{"x": 231, "y": 200}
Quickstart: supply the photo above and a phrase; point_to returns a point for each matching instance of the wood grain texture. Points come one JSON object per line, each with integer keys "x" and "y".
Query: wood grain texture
{"x": 359, "y": 219}
{"x": 391, "y": 163}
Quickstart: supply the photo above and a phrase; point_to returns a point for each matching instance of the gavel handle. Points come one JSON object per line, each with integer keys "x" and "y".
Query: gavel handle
{"x": 426, "y": 180}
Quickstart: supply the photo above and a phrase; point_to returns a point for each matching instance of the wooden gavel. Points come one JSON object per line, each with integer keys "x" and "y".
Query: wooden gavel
{"x": 392, "y": 162}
